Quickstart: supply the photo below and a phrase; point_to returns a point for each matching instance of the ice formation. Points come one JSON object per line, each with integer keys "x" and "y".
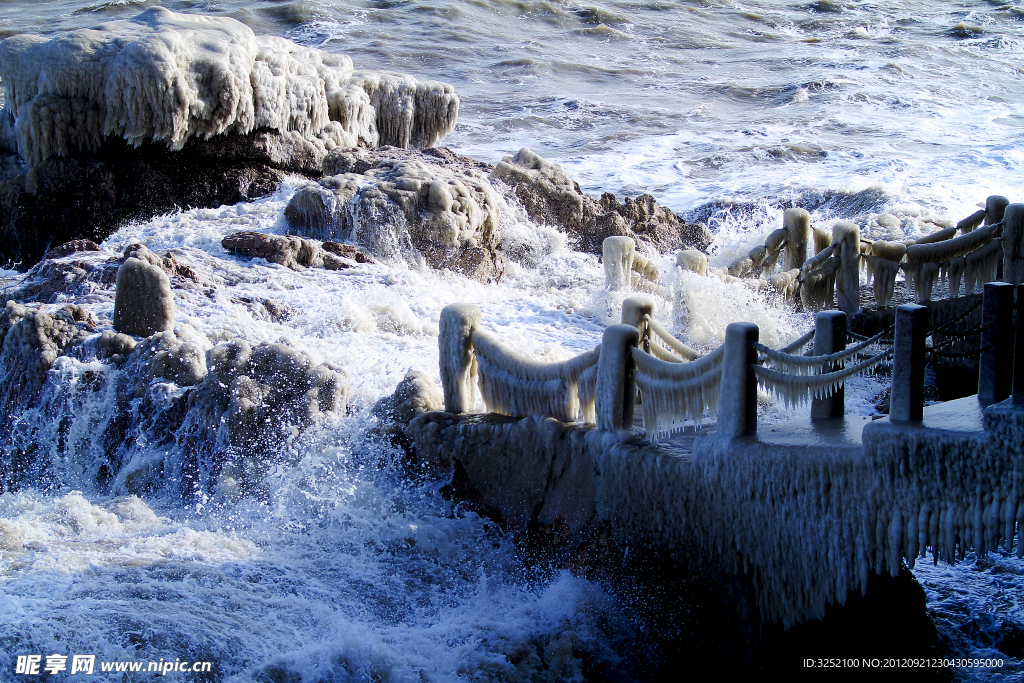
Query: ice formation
{"x": 783, "y": 361}
{"x": 981, "y": 266}
{"x": 692, "y": 260}
{"x": 167, "y": 77}
{"x": 795, "y": 389}
{"x": 797, "y": 223}
{"x": 512, "y": 384}
{"x": 1013, "y": 244}
{"x": 614, "y": 389}
{"x": 675, "y": 392}
{"x": 618, "y": 255}
{"x": 883, "y": 264}
{"x": 439, "y": 205}
{"x": 822, "y": 240}
{"x": 971, "y": 222}
{"x": 143, "y": 301}
{"x": 818, "y": 277}
{"x": 458, "y": 362}
{"x": 846, "y": 245}
{"x": 936, "y": 252}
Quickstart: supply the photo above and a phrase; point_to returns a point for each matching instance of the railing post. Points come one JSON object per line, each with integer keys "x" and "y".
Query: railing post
{"x": 995, "y": 205}
{"x": 846, "y": 238}
{"x": 1013, "y": 244}
{"x": 906, "y": 399}
{"x": 1018, "y": 353}
{"x": 617, "y": 253}
{"x": 634, "y": 309}
{"x": 995, "y": 371}
{"x": 797, "y": 223}
{"x": 829, "y": 337}
{"x": 615, "y": 394}
{"x": 456, "y": 357}
{"x": 737, "y": 410}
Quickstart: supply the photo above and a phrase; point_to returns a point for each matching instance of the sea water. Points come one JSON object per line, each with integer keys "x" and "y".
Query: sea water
{"x": 898, "y": 116}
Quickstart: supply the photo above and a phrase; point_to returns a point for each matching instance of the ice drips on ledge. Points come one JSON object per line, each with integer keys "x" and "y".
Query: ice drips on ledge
{"x": 167, "y": 77}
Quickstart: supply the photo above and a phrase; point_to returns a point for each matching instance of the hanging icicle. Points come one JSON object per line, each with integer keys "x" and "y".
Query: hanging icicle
{"x": 813, "y": 365}
{"x": 675, "y": 392}
{"x": 797, "y": 389}
{"x": 512, "y": 384}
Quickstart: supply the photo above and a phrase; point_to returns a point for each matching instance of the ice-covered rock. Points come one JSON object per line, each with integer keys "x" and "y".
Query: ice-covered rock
{"x": 94, "y": 112}
{"x": 439, "y": 203}
{"x": 167, "y": 77}
{"x": 31, "y": 339}
{"x": 143, "y": 303}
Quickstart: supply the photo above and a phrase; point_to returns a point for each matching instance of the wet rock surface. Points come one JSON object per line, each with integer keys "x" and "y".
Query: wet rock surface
{"x": 550, "y": 196}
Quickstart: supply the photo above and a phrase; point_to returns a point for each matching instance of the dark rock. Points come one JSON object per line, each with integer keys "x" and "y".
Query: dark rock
{"x": 289, "y": 251}
{"x": 551, "y": 197}
{"x": 90, "y": 195}
{"x": 72, "y": 247}
{"x": 349, "y": 251}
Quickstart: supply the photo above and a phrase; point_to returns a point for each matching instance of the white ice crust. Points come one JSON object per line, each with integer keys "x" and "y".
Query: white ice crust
{"x": 167, "y": 77}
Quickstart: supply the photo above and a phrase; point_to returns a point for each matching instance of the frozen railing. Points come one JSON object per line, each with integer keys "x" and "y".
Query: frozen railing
{"x": 678, "y": 384}
{"x": 509, "y": 382}
{"x": 989, "y": 246}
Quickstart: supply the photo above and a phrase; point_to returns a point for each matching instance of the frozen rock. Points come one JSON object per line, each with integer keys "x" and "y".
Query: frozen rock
{"x": 438, "y": 203}
{"x": 414, "y": 395}
{"x": 30, "y": 341}
{"x": 143, "y": 303}
{"x": 288, "y": 251}
{"x": 94, "y": 112}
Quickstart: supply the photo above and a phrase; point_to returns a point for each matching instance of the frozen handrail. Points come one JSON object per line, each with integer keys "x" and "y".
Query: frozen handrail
{"x": 675, "y": 392}
{"x": 512, "y": 384}
{"x": 797, "y": 389}
{"x": 812, "y": 365}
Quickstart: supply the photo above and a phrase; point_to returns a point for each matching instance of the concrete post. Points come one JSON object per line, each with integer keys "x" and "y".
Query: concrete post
{"x": 797, "y": 223}
{"x": 995, "y": 205}
{"x": 633, "y": 311}
{"x": 615, "y": 394}
{"x": 617, "y": 254}
{"x": 1013, "y": 244}
{"x": 829, "y": 337}
{"x": 906, "y": 401}
{"x": 995, "y": 367}
{"x": 1018, "y": 353}
{"x": 456, "y": 356}
{"x": 737, "y": 408}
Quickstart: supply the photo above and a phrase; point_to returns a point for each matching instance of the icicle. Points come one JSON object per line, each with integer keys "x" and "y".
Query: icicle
{"x": 795, "y": 389}
{"x": 956, "y": 275}
{"x": 675, "y": 392}
{"x": 822, "y": 240}
{"x": 512, "y": 384}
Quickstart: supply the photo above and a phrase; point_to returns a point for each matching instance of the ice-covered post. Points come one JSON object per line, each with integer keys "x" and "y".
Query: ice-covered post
{"x": 456, "y": 356}
{"x": 995, "y": 374}
{"x": 829, "y": 337}
{"x": 633, "y": 311}
{"x": 1013, "y": 244}
{"x": 617, "y": 254}
{"x": 737, "y": 407}
{"x": 797, "y": 223}
{"x": 615, "y": 394}
{"x": 995, "y": 205}
{"x": 846, "y": 238}
{"x": 1018, "y": 353}
{"x": 906, "y": 400}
